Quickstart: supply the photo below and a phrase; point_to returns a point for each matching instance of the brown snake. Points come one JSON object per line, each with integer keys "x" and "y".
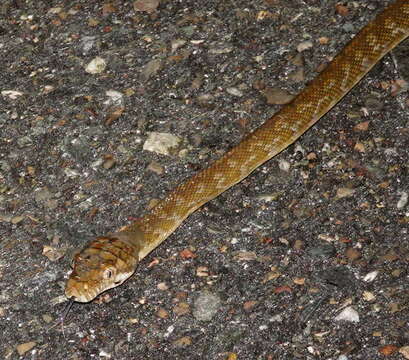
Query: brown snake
{"x": 109, "y": 260}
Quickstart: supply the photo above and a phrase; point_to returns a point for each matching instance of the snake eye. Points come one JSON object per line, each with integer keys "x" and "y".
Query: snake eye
{"x": 108, "y": 274}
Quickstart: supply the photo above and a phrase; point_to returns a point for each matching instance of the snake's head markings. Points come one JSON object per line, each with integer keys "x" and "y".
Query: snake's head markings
{"x": 104, "y": 264}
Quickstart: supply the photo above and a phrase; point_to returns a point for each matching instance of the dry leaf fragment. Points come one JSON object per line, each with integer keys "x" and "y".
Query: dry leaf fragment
{"x": 232, "y": 356}
{"x": 390, "y": 256}
{"x": 353, "y": 254}
{"x": 344, "y": 192}
{"x": 245, "y": 256}
{"x": 299, "y": 281}
{"x": 52, "y": 253}
{"x": 282, "y": 289}
{"x": 187, "y": 254}
{"x": 148, "y": 6}
{"x": 182, "y": 308}
{"x": 107, "y": 9}
{"x": 363, "y": 126}
{"x": 202, "y": 271}
{"x": 271, "y": 275}
{"x": 248, "y": 305}
{"x": 359, "y": 147}
{"x": 183, "y": 341}
{"x": 341, "y": 9}
{"x": 388, "y": 349}
{"x": 114, "y": 114}
{"x": 162, "y": 313}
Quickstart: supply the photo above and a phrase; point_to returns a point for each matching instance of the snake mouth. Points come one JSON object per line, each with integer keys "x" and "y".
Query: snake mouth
{"x": 80, "y": 291}
{"x": 74, "y": 294}
{"x": 84, "y": 295}
{"x": 83, "y": 291}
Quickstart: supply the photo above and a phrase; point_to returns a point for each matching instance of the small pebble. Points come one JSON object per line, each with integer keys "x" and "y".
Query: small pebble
{"x": 234, "y": 91}
{"x": 276, "y": 318}
{"x": 368, "y": 296}
{"x": 96, "y": 66}
{"x": 404, "y": 351}
{"x": 162, "y": 313}
{"x": 352, "y": 254}
{"x": 183, "y": 341}
{"x": 348, "y": 314}
{"x": 305, "y": 45}
{"x": 12, "y": 94}
{"x": 151, "y": 68}
{"x": 181, "y": 308}
{"x": 155, "y": 167}
{"x": 161, "y": 143}
{"x": 403, "y": 200}
{"x": 47, "y": 318}
{"x": 115, "y": 98}
{"x": 162, "y": 286}
{"x": 176, "y": 44}
{"x": 17, "y": 219}
{"x": 23, "y": 348}
{"x": 108, "y": 164}
{"x": 284, "y": 165}
{"x": 344, "y": 192}
{"x": 371, "y": 276}
{"x": 206, "y": 306}
{"x": 42, "y": 194}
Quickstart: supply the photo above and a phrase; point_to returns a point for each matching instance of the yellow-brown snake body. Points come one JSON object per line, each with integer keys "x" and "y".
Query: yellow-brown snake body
{"x": 107, "y": 261}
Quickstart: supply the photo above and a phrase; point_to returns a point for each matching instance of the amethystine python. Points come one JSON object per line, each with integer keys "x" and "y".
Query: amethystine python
{"x": 109, "y": 260}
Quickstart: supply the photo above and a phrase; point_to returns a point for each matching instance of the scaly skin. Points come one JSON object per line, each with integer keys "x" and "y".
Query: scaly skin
{"x": 110, "y": 260}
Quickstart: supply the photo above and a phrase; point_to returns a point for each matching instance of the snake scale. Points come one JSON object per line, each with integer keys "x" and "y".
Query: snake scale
{"x": 109, "y": 260}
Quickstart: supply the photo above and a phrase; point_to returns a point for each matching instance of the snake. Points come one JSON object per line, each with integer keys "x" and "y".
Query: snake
{"x": 109, "y": 260}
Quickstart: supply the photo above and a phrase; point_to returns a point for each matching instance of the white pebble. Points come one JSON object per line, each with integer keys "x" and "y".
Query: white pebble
{"x": 12, "y": 94}
{"x": 304, "y": 46}
{"x": 115, "y": 98}
{"x": 284, "y": 165}
{"x": 348, "y": 314}
{"x": 96, "y": 66}
{"x": 371, "y": 276}
{"x": 161, "y": 143}
{"x": 403, "y": 200}
{"x": 234, "y": 91}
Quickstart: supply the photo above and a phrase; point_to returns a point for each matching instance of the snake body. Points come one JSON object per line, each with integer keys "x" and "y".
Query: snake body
{"x": 109, "y": 260}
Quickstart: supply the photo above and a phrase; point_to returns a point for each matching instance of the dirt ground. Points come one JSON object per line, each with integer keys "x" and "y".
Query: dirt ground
{"x": 307, "y": 258}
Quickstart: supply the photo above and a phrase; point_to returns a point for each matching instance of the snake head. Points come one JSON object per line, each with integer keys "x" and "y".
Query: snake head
{"x": 104, "y": 264}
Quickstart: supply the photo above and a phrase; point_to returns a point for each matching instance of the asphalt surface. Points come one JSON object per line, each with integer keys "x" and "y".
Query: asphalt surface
{"x": 307, "y": 258}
